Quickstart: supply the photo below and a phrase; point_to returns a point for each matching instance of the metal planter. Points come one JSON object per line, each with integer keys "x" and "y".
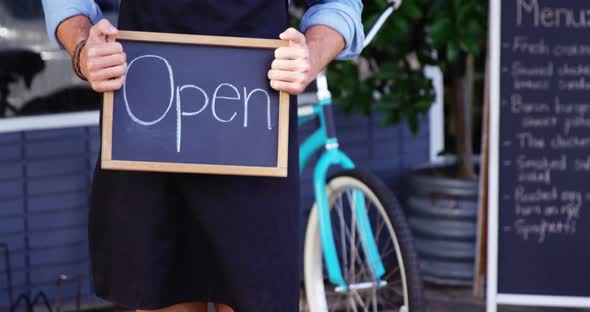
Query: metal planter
{"x": 442, "y": 212}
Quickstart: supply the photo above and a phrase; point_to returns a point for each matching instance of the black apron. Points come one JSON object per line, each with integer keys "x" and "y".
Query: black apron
{"x": 158, "y": 239}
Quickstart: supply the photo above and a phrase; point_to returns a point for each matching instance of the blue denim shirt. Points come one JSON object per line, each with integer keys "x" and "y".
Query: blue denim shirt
{"x": 342, "y": 15}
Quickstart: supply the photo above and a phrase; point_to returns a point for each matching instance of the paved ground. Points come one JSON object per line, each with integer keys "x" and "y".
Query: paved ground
{"x": 440, "y": 299}
{"x": 444, "y": 299}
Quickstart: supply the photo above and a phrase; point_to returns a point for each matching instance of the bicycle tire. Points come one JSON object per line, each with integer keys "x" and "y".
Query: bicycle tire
{"x": 374, "y": 188}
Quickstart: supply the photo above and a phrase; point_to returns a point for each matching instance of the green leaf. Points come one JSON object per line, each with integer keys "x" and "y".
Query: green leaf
{"x": 437, "y": 32}
{"x": 413, "y": 123}
{"x": 411, "y": 9}
{"x": 440, "y": 32}
{"x": 423, "y": 105}
{"x": 452, "y": 51}
{"x": 472, "y": 46}
{"x": 399, "y": 28}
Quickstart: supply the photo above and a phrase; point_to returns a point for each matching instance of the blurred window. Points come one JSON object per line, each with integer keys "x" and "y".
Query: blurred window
{"x": 36, "y": 76}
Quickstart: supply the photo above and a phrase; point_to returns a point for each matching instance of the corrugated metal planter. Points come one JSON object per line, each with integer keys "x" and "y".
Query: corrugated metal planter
{"x": 442, "y": 212}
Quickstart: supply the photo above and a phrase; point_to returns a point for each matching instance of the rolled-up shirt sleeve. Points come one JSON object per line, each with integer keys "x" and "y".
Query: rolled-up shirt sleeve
{"x": 344, "y": 16}
{"x": 57, "y": 11}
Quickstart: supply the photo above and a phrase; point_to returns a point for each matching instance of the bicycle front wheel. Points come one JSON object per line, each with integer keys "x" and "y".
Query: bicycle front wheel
{"x": 400, "y": 289}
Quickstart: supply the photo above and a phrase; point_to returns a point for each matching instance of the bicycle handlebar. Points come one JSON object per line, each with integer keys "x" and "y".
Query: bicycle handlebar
{"x": 391, "y": 7}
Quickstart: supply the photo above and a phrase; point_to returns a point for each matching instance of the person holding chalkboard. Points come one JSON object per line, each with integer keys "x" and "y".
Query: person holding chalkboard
{"x": 177, "y": 241}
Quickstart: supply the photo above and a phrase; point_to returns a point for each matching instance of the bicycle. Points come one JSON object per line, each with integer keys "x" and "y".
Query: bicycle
{"x": 356, "y": 231}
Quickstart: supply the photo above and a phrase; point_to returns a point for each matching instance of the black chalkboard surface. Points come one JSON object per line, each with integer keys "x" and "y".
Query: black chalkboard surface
{"x": 543, "y": 163}
{"x": 197, "y": 104}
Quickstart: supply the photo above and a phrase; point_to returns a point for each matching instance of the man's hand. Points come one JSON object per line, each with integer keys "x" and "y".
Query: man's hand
{"x": 298, "y": 64}
{"x": 291, "y": 71}
{"x": 103, "y": 63}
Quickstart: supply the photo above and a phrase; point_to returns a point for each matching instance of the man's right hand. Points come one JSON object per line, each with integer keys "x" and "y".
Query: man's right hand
{"x": 103, "y": 63}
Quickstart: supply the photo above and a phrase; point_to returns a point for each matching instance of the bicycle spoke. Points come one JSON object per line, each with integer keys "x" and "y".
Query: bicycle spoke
{"x": 354, "y": 260}
{"x": 339, "y": 210}
{"x": 388, "y": 251}
{"x": 344, "y": 202}
{"x": 380, "y": 227}
{"x": 357, "y": 298}
{"x": 359, "y": 261}
{"x": 374, "y": 297}
{"x": 366, "y": 269}
{"x": 363, "y": 275}
{"x": 383, "y": 255}
{"x": 353, "y": 246}
{"x": 390, "y": 274}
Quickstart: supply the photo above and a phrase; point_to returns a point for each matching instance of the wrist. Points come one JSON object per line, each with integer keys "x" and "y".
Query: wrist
{"x": 72, "y": 30}
{"x": 316, "y": 63}
{"x": 324, "y": 44}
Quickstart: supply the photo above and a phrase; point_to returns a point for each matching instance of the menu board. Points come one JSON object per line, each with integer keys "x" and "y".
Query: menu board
{"x": 543, "y": 142}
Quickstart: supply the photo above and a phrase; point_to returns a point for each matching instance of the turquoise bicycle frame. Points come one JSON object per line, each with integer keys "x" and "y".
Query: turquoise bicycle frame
{"x": 333, "y": 156}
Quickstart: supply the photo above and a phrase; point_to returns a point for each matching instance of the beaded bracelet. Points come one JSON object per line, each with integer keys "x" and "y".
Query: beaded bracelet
{"x": 76, "y": 59}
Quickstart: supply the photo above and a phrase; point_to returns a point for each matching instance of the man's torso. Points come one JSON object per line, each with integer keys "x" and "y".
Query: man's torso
{"x": 243, "y": 18}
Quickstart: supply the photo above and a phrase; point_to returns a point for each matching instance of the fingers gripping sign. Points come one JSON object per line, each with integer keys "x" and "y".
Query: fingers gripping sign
{"x": 102, "y": 61}
{"x": 291, "y": 69}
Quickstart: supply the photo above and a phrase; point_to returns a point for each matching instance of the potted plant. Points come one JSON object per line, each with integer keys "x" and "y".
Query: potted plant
{"x": 390, "y": 73}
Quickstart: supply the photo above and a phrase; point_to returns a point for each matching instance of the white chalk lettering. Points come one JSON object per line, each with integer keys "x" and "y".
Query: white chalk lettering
{"x": 247, "y": 98}
{"x": 171, "y": 78}
{"x": 215, "y": 97}
{"x": 179, "y": 113}
{"x": 178, "y": 90}
{"x": 218, "y": 94}
{"x": 549, "y": 17}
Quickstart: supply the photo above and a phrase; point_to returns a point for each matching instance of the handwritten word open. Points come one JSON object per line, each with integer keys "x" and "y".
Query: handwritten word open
{"x": 224, "y": 91}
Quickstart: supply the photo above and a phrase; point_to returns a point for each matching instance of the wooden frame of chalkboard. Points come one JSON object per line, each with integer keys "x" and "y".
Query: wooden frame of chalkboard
{"x": 494, "y": 94}
{"x": 280, "y": 170}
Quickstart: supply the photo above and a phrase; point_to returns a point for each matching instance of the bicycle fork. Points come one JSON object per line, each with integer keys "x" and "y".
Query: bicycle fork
{"x": 333, "y": 156}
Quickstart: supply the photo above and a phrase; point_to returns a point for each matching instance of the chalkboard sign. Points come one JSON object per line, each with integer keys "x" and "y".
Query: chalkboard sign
{"x": 540, "y": 153}
{"x": 197, "y": 104}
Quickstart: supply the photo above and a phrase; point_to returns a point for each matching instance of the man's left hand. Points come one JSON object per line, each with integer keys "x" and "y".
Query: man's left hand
{"x": 291, "y": 71}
